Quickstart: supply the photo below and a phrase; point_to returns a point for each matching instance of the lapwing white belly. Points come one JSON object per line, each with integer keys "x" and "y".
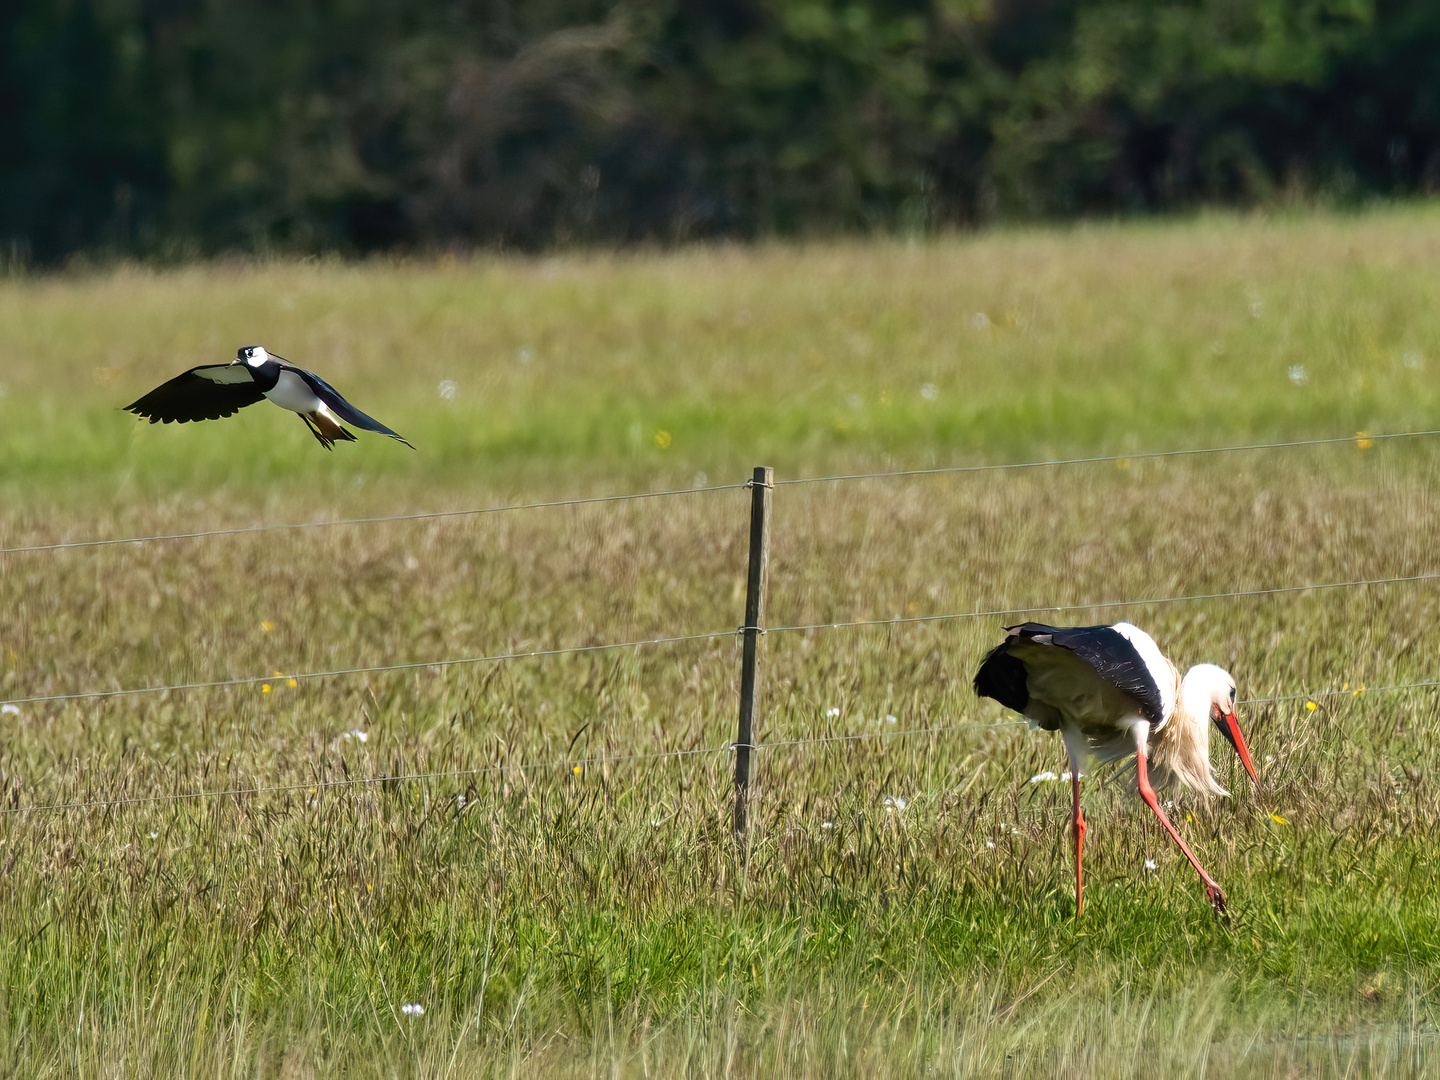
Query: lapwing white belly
{"x": 292, "y": 392}
{"x": 211, "y": 391}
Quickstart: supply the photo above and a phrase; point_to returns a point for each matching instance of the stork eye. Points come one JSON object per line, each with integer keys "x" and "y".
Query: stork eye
{"x": 1232, "y": 695}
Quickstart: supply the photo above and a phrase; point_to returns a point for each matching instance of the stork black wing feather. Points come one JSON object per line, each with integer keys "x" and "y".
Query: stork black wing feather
{"x": 1002, "y": 677}
{"x": 1106, "y": 650}
{"x": 194, "y": 396}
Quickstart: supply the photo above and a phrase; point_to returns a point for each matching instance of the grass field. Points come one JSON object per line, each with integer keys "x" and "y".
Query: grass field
{"x": 574, "y": 910}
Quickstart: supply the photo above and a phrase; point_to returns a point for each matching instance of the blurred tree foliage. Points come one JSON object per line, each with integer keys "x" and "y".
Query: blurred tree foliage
{"x": 177, "y": 127}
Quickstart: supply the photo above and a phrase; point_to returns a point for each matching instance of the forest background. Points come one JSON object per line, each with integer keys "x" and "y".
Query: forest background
{"x": 174, "y": 129}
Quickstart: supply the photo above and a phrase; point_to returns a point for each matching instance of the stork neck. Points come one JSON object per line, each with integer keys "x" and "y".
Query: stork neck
{"x": 1194, "y": 708}
{"x": 1184, "y": 744}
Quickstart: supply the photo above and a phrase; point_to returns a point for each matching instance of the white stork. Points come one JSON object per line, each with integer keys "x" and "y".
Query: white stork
{"x": 1111, "y": 693}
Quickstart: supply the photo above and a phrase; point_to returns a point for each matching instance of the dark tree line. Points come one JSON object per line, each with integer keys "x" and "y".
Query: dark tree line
{"x": 174, "y": 127}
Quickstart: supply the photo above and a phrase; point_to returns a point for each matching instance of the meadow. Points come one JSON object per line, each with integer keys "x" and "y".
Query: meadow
{"x": 560, "y": 891}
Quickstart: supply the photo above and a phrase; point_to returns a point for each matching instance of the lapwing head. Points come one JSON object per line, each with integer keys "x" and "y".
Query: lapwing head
{"x": 251, "y": 356}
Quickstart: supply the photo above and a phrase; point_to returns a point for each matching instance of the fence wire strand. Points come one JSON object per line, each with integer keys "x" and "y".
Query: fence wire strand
{"x": 899, "y": 620}
{"x": 241, "y": 530}
{"x": 318, "y": 787}
{"x": 1146, "y": 455}
{"x": 859, "y": 624}
{"x": 251, "y": 680}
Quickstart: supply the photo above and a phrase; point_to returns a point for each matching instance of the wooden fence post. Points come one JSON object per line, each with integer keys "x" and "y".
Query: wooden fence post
{"x": 761, "y": 485}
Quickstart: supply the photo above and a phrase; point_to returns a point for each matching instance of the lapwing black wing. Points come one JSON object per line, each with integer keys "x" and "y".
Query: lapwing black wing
{"x": 1111, "y": 693}
{"x": 203, "y": 393}
{"x": 212, "y": 391}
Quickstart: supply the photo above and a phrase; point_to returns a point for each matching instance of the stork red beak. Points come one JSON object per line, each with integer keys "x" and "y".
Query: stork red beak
{"x": 1229, "y": 725}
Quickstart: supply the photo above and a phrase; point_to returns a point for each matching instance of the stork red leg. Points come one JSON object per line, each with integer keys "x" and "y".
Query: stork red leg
{"x": 1078, "y": 821}
{"x": 1212, "y": 890}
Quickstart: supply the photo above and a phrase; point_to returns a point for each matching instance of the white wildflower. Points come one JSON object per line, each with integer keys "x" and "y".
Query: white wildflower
{"x": 1298, "y": 375}
{"x": 447, "y": 389}
{"x": 890, "y": 719}
{"x": 893, "y": 803}
{"x": 9, "y": 709}
{"x": 413, "y": 1010}
{"x": 929, "y": 391}
{"x": 154, "y": 835}
{"x": 832, "y": 712}
{"x": 1149, "y": 864}
{"x": 827, "y": 825}
{"x": 980, "y": 321}
{"x": 1047, "y": 775}
{"x": 990, "y": 844}
{"x": 356, "y": 734}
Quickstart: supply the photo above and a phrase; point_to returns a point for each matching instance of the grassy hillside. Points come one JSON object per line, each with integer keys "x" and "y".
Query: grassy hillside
{"x": 562, "y": 907}
{"x": 564, "y": 369}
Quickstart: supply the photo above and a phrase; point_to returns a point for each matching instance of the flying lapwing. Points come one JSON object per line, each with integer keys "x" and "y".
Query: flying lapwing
{"x": 211, "y": 391}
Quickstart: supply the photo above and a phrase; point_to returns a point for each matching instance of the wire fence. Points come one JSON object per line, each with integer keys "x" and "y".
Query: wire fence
{"x": 1148, "y": 455}
{"x": 236, "y": 792}
{"x": 858, "y": 624}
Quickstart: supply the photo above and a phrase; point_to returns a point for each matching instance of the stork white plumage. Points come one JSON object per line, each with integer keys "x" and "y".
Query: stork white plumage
{"x": 1111, "y": 693}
